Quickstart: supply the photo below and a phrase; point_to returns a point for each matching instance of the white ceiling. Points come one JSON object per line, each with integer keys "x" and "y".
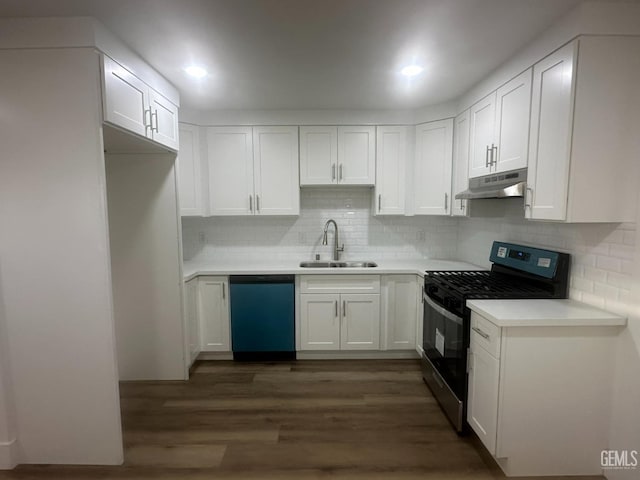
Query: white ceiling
{"x": 316, "y": 54}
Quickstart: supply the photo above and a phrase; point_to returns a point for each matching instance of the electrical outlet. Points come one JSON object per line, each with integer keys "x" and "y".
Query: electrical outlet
{"x": 202, "y": 238}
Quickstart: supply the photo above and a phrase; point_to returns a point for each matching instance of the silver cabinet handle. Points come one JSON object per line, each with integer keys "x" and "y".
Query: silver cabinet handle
{"x": 155, "y": 114}
{"x": 336, "y": 308}
{"x": 379, "y": 201}
{"x": 462, "y": 205}
{"x": 486, "y": 157}
{"x": 223, "y": 291}
{"x": 480, "y": 332}
{"x": 258, "y": 203}
{"x": 527, "y": 197}
{"x": 333, "y": 172}
{"x": 340, "y": 176}
{"x": 344, "y": 309}
{"x": 446, "y": 201}
{"x": 144, "y": 120}
{"x": 251, "y": 203}
{"x": 494, "y": 161}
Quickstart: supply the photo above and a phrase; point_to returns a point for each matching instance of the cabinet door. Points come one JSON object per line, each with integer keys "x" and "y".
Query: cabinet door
{"x": 420, "y": 317}
{"x": 460, "y": 168}
{"x": 192, "y": 321}
{"x": 360, "y": 327}
{"x": 318, "y": 155}
{"x": 275, "y": 161}
{"x": 189, "y": 174}
{"x": 164, "y": 120}
{"x": 126, "y": 99}
{"x": 356, "y": 155}
{"x": 513, "y": 109}
{"x": 391, "y": 158}
{"x": 319, "y": 322}
{"x": 432, "y": 187}
{"x": 481, "y": 135}
{"x": 399, "y": 312}
{"x": 550, "y": 137}
{"x": 482, "y": 407}
{"x": 230, "y": 162}
{"x": 213, "y": 293}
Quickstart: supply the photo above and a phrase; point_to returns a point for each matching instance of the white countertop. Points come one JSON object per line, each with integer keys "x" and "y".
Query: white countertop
{"x": 193, "y": 269}
{"x": 543, "y": 313}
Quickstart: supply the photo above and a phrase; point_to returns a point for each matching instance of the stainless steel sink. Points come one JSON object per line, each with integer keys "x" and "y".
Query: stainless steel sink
{"x": 338, "y": 264}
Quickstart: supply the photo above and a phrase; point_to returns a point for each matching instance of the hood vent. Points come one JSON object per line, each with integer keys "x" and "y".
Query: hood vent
{"x": 497, "y": 185}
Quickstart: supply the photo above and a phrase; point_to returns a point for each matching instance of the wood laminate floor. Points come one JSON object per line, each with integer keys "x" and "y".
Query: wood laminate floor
{"x": 303, "y": 420}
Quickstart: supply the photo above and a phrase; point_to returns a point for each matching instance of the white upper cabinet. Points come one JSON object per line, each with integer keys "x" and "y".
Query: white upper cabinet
{"x": 132, "y": 105}
{"x": 513, "y": 109}
{"x": 356, "y": 155}
{"x": 337, "y": 155}
{"x": 318, "y": 155}
{"x": 391, "y": 160}
{"x": 499, "y": 128}
{"x": 432, "y": 180}
{"x": 189, "y": 172}
{"x": 460, "y": 174}
{"x": 582, "y": 154}
{"x": 230, "y": 170}
{"x": 126, "y": 99}
{"x": 253, "y": 171}
{"x": 275, "y": 160}
{"x": 164, "y": 120}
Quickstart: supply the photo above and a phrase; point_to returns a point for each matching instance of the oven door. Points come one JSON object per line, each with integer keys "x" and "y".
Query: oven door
{"x": 445, "y": 358}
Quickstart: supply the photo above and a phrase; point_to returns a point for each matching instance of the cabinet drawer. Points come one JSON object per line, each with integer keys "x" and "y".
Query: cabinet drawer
{"x": 485, "y": 334}
{"x": 340, "y": 284}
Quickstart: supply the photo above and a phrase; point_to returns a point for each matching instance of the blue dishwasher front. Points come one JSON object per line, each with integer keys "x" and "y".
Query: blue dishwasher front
{"x": 262, "y": 317}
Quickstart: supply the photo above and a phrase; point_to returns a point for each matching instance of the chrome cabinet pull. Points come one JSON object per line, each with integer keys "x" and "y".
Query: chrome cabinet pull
{"x": 223, "y": 291}
{"x": 144, "y": 120}
{"x": 527, "y": 197}
{"x": 344, "y": 309}
{"x": 340, "y": 176}
{"x": 257, "y": 203}
{"x": 333, "y": 172}
{"x": 494, "y": 147}
{"x": 462, "y": 205}
{"x": 155, "y": 114}
{"x": 480, "y": 332}
{"x": 446, "y": 201}
{"x": 486, "y": 157}
{"x": 336, "y": 308}
{"x": 379, "y": 201}
{"x": 251, "y": 203}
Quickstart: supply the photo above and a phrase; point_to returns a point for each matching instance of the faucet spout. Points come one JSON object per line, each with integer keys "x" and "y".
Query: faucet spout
{"x": 336, "y": 248}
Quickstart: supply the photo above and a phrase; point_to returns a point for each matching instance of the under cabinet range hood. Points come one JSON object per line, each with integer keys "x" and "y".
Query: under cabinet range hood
{"x": 497, "y": 185}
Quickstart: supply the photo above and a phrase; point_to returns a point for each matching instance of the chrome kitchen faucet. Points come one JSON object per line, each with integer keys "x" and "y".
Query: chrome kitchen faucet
{"x": 336, "y": 249}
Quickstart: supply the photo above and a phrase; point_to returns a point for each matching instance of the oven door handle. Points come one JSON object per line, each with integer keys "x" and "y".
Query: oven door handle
{"x": 442, "y": 311}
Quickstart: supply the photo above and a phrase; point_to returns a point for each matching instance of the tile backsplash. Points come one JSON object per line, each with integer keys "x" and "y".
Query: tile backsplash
{"x": 300, "y": 238}
{"x": 602, "y": 254}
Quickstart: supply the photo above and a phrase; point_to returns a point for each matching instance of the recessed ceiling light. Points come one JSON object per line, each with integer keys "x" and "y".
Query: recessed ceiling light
{"x": 412, "y": 70}
{"x": 196, "y": 71}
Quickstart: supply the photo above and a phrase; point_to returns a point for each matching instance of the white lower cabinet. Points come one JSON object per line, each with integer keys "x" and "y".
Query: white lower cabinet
{"x": 482, "y": 412}
{"x": 333, "y": 317}
{"x": 213, "y": 313}
{"x": 399, "y": 311}
{"x": 191, "y": 320}
{"x": 539, "y": 396}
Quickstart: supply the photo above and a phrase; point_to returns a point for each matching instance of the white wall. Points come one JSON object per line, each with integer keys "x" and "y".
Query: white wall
{"x": 299, "y": 238}
{"x": 145, "y": 259}
{"x": 8, "y": 457}
{"x": 56, "y": 284}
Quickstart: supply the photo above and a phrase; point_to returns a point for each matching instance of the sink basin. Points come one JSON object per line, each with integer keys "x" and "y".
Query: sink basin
{"x": 338, "y": 264}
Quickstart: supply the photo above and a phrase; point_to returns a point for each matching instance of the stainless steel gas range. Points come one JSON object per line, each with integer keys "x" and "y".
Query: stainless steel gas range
{"x": 517, "y": 272}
